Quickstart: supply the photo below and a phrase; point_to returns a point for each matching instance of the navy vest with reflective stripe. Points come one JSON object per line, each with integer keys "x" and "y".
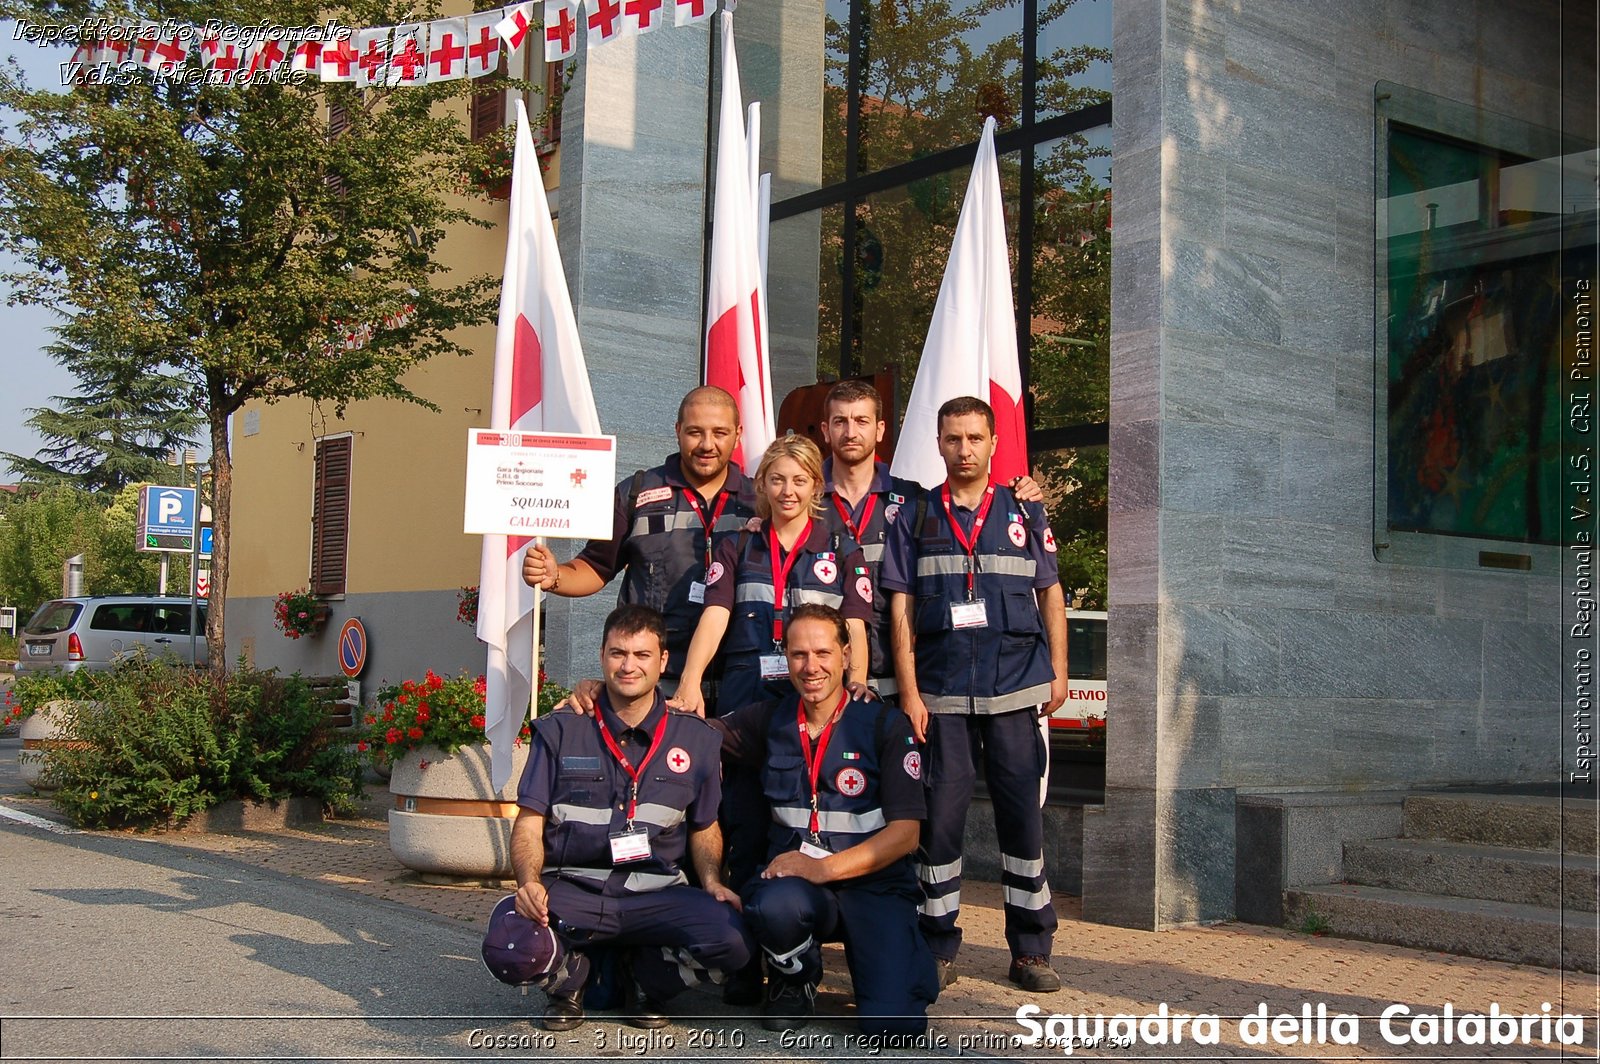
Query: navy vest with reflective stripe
{"x": 667, "y": 553}
{"x": 873, "y": 537}
{"x": 589, "y": 799}
{"x": 750, "y": 626}
{"x": 994, "y": 669}
{"x": 849, "y": 764}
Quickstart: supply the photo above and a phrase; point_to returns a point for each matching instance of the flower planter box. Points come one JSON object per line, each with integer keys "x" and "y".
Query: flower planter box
{"x": 238, "y": 815}
{"x": 448, "y": 823}
{"x": 42, "y": 733}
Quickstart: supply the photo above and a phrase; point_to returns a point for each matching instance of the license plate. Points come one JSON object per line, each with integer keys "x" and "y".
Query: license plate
{"x": 39, "y": 650}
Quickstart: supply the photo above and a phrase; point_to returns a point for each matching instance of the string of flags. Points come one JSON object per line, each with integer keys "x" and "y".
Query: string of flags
{"x": 445, "y": 49}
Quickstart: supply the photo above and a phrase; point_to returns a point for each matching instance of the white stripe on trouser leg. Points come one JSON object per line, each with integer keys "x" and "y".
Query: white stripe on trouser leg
{"x": 788, "y": 963}
{"x": 938, "y": 873}
{"x": 689, "y": 972}
{"x": 1019, "y": 867}
{"x": 941, "y": 905}
{"x": 1023, "y": 899}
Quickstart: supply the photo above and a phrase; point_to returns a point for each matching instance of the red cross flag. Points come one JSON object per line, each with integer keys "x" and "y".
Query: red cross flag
{"x": 972, "y": 340}
{"x": 686, "y": 11}
{"x": 640, "y": 16}
{"x": 306, "y": 58}
{"x": 735, "y": 359}
{"x": 264, "y": 57}
{"x": 116, "y": 51}
{"x": 515, "y": 27}
{"x": 541, "y": 384}
{"x": 144, "y": 45}
{"x": 339, "y": 61}
{"x": 408, "y": 56}
{"x": 372, "y": 48}
{"x": 89, "y": 53}
{"x": 605, "y": 21}
{"x": 483, "y": 47}
{"x": 221, "y": 58}
{"x": 447, "y": 49}
{"x": 560, "y": 29}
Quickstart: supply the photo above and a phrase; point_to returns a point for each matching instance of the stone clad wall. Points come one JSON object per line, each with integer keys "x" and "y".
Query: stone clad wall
{"x": 1255, "y": 642}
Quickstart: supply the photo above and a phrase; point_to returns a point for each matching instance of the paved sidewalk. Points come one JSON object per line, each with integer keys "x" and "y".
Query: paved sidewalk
{"x": 1228, "y": 970}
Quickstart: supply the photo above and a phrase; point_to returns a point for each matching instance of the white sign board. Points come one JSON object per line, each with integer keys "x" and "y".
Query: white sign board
{"x": 536, "y": 484}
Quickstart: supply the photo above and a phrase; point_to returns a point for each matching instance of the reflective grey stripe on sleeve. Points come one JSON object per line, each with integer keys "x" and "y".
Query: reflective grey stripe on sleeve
{"x": 872, "y": 553}
{"x": 1036, "y": 695}
{"x": 956, "y": 565}
{"x": 884, "y": 685}
{"x": 561, "y": 813}
{"x": 662, "y": 816}
{"x": 829, "y": 820}
{"x": 943, "y": 905}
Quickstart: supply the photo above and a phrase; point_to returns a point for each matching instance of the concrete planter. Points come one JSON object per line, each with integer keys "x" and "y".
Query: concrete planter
{"x": 448, "y": 824}
{"x": 42, "y": 733}
{"x": 240, "y": 815}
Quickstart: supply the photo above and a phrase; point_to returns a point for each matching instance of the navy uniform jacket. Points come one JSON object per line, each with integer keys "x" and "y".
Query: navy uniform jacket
{"x": 892, "y": 496}
{"x": 871, "y": 774}
{"x": 661, "y": 541}
{"x": 1004, "y": 665}
{"x": 573, "y": 779}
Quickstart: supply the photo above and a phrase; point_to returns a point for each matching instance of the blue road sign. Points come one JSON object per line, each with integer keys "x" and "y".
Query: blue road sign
{"x": 205, "y": 541}
{"x": 167, "y": 519}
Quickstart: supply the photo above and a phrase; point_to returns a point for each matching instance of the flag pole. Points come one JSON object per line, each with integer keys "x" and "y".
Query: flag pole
{"x": 538, "y": 607}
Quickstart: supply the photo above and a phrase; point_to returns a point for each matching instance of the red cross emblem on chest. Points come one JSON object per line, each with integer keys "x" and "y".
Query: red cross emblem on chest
{"x": 678, "y": 760}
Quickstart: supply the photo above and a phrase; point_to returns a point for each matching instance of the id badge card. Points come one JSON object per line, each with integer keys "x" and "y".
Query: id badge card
{"x": 965, "y": 615}
{"x": 631, "y": 845}
{"x": 697, "y": 593}
{"x": 811, "y": 849}
{"x": 774, "y": 667}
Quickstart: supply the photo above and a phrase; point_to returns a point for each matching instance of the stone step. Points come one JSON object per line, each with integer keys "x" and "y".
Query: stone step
{"x": 1494, "y": 930}
{"x": 1518, "y": 821}
{"x": 1464, "y": 870}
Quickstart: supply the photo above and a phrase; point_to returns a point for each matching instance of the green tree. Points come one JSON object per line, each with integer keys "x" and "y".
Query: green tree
{"x": 48, "y": 525}
{"x": 222, "y": 235}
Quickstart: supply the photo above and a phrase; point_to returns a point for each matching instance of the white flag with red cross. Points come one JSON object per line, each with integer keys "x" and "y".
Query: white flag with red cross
{"x": 972, "y": 340}
{"x": 734, "y": 358}
{"x": 372, "y": 51}
{"x": 408, "y": 55}
{"x": 145, "y": 43}
{"x": 222, "y": 58}
{"x": 306, "y": 58}
{"x": 483, "y": 45}
{"x": 447, "y": 49}
{"x": 89, "y": 53}
{"x": 516, "y": 26}
{"x": 340, "y": 60}
{"x": 641, "y": 16}
{"x": 685, "y": 12}
{"x": 605, "y": 21}
{"x": 560, "y": 29}
{"x": 116, "y": 50}
{"x": 541, "y": 384}
{"x": 264, "y": 57}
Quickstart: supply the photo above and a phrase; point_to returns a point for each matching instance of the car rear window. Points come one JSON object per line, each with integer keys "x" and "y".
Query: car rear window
{"x": 53, "y": 617}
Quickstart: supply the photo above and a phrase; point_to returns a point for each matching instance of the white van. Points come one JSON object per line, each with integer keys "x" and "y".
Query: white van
{"x": 1085, "y": 706}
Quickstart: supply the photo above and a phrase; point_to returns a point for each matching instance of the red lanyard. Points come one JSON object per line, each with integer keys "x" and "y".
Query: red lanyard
{"x": 780, "y": 574}
{"x": 622, "y": 759}
{"x": 700, "y": 512}
{"x": 968, "y": 545}
{"x": 866, "y": 514}
{"x": 814, "y": 768}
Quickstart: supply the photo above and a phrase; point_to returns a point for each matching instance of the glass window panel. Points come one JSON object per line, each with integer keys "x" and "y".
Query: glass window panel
{"x": 931, "y": 69}
{"x": 1074, "y": 481}
{"x": 836, "y": 68}
{"x": 803, "y": 294}
{"x": 1073, "y": 60}
{"x": 1071, "y": 324}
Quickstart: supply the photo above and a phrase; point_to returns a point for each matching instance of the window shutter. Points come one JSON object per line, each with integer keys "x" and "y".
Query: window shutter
{"x": 338, "y": 122}
{"x": 489, "y": 107}
{"x": 330, "y": 516}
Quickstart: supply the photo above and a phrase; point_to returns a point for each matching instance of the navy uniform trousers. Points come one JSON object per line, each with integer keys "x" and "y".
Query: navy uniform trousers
{"x": 693, "y": 938}
{"x": 1013, "y": 763}
{"x": 792, "y": 918}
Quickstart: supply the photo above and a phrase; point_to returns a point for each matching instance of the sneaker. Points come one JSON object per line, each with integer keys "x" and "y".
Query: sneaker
{"x": 563, "y": 1013}
{"x": 1033, "y": 972}
{"x": 947, "y": 971}
{"x": 790, "y": 1005}
{"x": 745, "y": 986}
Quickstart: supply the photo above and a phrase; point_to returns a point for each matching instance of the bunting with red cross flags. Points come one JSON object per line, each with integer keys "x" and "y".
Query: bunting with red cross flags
{"x": 560, "y": 29}
{"x": 306, "y": 58}
{"x": 483, "y": 47}
{"x": 685, "y": 12}
{"x": 408, "y": 55}
{"x": 222, "y": 58}
{"x": 264, "y": 57}
{"x": 339, "y": 61}
{"x": 515, "y": 27}
{"x": 605, "y": 21}
{"x": 372, "y": 51}
{"x": 447, "y": 50}
{"x": 640, "y": 16}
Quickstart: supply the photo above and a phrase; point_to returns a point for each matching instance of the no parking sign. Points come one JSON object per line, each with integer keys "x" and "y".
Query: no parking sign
{"x": 353, "y": 647}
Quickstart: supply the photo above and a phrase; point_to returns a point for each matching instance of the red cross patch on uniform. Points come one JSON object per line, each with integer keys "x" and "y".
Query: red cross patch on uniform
{"x": 913, "y": 764}
{"x": 826, "y": 569}
{"x": 890, "y": 512}
{"x": 714, "y": 573}
{"x": 1050, "y": 540}
{"x": 850, "y": 782}
{"x": 864, "y": 588}
{"x": 1018, "y": 534}
{"x": 678, "y": 760}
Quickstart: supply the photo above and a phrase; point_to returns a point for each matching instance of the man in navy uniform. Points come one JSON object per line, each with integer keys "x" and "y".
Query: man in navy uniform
{"x": 844, "y": 781}
{"x": 980, "y": 649}
{"x": 663, "y": 522}
{"x": 610, "y": 804}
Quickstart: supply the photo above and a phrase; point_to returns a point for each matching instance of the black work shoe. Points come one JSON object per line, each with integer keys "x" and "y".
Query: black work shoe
{"x": 745, "y": 986}
{"x": 947, "y": 971}
{"x": 563, "y": 1013}
{"x": 1033, "y": 972}
{"x": 790, "y": 1005}
{"x": 647, "y": 1012}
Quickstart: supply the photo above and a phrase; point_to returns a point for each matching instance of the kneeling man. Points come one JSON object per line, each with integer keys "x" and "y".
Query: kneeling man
{"x": 844, "y": 781}
{"x": 609, "y": 805}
